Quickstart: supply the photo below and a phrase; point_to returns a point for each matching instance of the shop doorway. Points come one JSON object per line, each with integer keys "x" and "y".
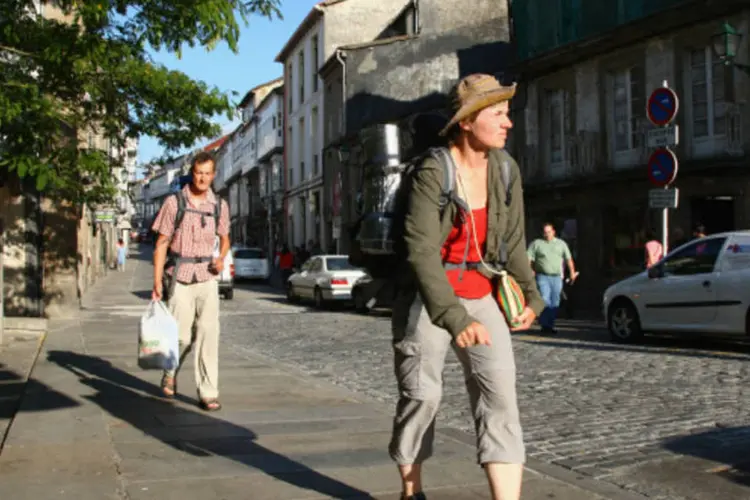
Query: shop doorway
{"x": 716, "y": 213}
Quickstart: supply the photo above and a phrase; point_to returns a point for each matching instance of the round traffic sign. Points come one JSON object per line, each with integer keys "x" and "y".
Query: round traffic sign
{"x": 662, "y": 106}
{"x": 662, "y": 167}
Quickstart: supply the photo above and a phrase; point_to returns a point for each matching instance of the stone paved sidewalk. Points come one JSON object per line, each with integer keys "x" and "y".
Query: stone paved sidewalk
{"x": 92, "y": 427}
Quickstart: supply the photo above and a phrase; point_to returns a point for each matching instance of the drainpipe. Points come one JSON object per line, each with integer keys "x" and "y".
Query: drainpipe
{"x": 417, "y": 27}
{"x": 341, "y": 58}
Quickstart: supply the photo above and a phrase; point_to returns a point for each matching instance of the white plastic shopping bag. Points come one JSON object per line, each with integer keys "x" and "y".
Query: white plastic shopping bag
{"x": 158, "y": 338}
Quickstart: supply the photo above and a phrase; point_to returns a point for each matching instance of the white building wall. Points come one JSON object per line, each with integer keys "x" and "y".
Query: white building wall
{"x": 270, "y": 125}
{"x": 302, "y": 148}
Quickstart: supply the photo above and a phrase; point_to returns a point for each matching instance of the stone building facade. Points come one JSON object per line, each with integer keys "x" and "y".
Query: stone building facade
{"x": 581, "y": 128}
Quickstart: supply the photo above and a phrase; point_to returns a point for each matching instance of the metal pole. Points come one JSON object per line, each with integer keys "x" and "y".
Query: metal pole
{"x": 665, "y": 212}
{"x": 665, "y": 229}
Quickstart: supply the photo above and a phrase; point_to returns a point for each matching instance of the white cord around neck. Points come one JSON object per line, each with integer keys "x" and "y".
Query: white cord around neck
{"x": 474, "y": 227}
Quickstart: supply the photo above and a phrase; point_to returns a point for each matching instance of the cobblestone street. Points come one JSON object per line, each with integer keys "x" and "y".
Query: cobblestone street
{"x": 609, "y": 411}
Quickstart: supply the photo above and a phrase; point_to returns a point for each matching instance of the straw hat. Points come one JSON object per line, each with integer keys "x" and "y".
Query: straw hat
{"x": 474, "y": 93}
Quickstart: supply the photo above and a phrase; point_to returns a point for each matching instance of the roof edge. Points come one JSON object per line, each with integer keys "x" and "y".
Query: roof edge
{"x": 253, "y": 90}
{"x": 312, "y": 17}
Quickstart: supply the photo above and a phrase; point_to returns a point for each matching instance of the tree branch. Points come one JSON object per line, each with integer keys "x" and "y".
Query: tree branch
{"x": 16, "y": 51}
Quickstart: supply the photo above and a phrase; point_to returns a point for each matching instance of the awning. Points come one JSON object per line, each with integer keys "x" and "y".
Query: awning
{"x": 124, "y": 224}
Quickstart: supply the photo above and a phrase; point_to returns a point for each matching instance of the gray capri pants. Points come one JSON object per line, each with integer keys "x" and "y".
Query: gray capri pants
{"x": 490, "y": 374}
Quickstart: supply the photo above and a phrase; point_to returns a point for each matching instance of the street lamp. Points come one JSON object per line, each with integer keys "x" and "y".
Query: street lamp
{"x": 725, "y": 45}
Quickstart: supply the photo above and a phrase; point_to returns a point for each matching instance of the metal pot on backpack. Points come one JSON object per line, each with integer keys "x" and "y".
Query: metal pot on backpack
{"x": 381, "y": 177}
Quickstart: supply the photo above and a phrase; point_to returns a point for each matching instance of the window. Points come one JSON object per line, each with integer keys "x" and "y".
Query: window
{"x": 628, "y": 91}
{"x": 316, "y": 265}
{"x": 289, "y": 90}
{"x": 301, "y": 74}
{"x": 290, "y": 172}
{"x": 315, "y": 63}
{"x": 339, "y": 264}
{"x": 707, "y": 83}
{"x": 273, "y": 123}
{"x": 249, "y": 254}
{"x": 314, "y": 136}
{"x": 555, "y": 117}
{"x": 301, "y": 146}
{"x": 697, "y": 258}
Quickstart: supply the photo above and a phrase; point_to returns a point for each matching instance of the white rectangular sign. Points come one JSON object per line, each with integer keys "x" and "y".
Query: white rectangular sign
{"x": 663, "y": 136}
{"x": 663, "y": 198}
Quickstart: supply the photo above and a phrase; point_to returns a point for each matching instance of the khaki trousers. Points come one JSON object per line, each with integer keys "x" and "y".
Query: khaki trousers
{"x": 197, "y": 304}
{"x": 490, "y": 374}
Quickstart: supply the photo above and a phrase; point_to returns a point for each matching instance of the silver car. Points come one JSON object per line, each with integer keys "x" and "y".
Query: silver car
{"x": 324, "y": 278}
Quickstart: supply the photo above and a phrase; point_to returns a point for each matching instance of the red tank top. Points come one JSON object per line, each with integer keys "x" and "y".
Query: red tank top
{"x": 473, "y": 284}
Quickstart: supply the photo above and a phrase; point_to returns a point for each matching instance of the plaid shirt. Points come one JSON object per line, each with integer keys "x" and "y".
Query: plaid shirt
{"x": 193, "y": 239}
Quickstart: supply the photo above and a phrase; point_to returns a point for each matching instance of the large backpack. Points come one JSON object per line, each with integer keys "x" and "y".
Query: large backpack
{"x": 174, "y": 259}
{"x": 376, "y": 238}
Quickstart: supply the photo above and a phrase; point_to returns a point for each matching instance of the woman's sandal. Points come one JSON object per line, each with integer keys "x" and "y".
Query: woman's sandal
{"x": 168, "y": 387}
{"x": 210, "y": 404}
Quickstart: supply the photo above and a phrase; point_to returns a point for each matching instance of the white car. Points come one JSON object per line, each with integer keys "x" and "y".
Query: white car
{"x": 700, "y": 286}
{"x": 250, "y": 263}
{"x": 323, "y": 278}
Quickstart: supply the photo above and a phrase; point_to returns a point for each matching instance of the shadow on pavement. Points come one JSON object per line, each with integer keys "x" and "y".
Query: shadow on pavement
{"x": 728, "y": 446}
{"x": 144, "y": 252}
{"x": 694, "y": 347}
{"x": 337, "y": 307}
{"x": 143, "y": 294}
{"x": 119, "y": 394}
{"x": 14, "y": 389}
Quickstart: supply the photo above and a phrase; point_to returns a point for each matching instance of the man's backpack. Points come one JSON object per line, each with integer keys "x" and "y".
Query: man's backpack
{"x": 174, "y": 259}
{"x": 376, "y": 238}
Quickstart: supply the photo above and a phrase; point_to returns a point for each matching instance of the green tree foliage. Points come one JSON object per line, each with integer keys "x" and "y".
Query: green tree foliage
{"x": 83, "y": 68}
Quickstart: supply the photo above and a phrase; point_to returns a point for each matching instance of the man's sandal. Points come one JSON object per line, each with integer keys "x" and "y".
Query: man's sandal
{"x": 210, "y": 404}
{"x": 168, "y": 386}
{"x": 415, "y": 496}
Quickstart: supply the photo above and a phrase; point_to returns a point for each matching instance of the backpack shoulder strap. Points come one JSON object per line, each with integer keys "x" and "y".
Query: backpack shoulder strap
{"x": 505, "y": 171}
{"x": 448, "y": 193}
{"x": 181, "y": 207}
{"x": 217, "y": 213}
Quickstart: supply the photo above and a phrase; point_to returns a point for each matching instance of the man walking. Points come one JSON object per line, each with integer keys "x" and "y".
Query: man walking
{"x": 192, "y": 274}
{"x": 547, "y": 256}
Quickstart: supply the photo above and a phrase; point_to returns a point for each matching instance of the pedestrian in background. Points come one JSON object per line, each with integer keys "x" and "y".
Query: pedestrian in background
{"x": 547, "y": 256}
{"x": 286, "y": 264}
{"x": 653, "y": 248}
{"x": 194, "y": 300}
{"x": 122, "y": 254}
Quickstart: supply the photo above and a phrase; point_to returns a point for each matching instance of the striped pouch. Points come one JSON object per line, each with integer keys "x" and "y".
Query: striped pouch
{"x": 509, "y": 297}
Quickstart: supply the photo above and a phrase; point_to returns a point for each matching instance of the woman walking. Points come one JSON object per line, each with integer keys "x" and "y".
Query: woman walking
{"x": 454, "y": 261}
{"x": 122, "y": 255}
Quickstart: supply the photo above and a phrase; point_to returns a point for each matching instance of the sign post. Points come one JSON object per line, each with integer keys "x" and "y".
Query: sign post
{"x": 661, "y": 109}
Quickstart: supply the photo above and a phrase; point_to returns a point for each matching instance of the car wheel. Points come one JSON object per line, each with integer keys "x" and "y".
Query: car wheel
{"x": 319, "y": 302}
{"x": 624, "y": 324}
{"x": 229, "y": 294}
{"x": 358, "y": 296}
{"x": 290, "y": 295}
